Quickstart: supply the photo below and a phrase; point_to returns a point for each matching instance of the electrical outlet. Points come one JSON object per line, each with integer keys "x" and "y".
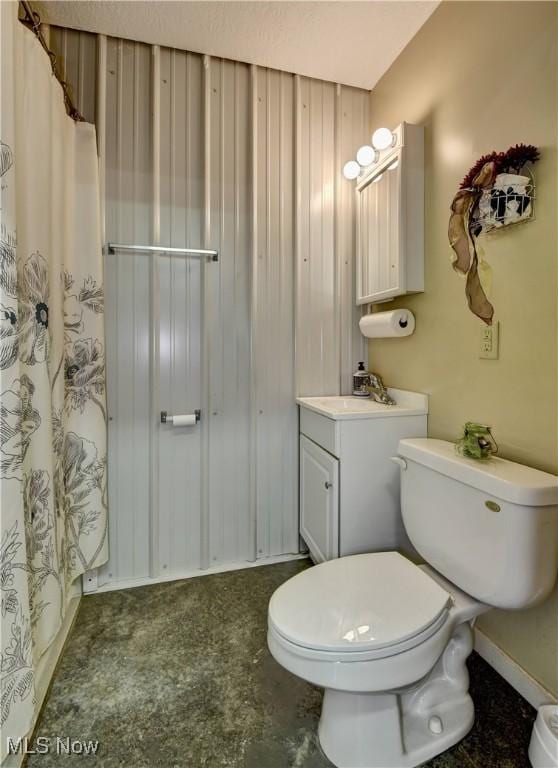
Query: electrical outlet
{"x": 489, "y": 342}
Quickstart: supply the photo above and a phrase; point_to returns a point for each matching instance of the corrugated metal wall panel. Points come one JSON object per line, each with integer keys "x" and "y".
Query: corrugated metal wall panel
{"x": 127, "y": 283}
{"x": 181, "y": 224}
{"x": 228, "y": 134}
{"x": 76, "y": 62}
{"x": 247, "y": 160}
{"x": 276, "y": 416}
{"x": 352, "y": 126}
{"x": 317, "y": 338}
{"x": 331, "y": 124}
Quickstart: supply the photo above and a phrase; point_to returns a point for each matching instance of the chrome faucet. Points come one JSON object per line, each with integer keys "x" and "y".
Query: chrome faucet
{"x": 378, "y": 390}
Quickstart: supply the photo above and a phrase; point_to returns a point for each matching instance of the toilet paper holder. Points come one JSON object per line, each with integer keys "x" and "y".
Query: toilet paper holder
{"x": 166, "y": 418}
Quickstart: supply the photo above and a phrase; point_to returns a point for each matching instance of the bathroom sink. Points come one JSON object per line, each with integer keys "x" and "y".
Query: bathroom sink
{"x": 347, "y": 407}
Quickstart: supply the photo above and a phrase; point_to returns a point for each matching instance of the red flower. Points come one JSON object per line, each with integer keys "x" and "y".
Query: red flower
{"x": 511, "y": 161}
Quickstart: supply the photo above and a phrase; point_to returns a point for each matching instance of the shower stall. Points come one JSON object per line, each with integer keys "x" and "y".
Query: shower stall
{"x": 204, "y": 153}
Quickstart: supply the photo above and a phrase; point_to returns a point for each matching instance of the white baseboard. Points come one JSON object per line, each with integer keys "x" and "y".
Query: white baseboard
{"x": 179, "y": 576}
{"x": 531, "y": 690}
{"x": 45, "y": 670}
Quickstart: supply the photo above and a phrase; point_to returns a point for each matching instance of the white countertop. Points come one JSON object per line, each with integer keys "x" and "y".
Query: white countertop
{"x": 348, "y": 407}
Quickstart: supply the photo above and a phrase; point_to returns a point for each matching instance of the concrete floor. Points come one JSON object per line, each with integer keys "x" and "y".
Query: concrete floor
{"x": 179, "y": 675}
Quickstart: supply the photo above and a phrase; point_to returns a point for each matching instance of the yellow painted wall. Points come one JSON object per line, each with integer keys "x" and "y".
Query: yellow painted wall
{"x": 482, "y": 76}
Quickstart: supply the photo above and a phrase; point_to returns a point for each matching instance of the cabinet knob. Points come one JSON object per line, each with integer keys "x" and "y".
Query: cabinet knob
{"x": 328, "y": 486}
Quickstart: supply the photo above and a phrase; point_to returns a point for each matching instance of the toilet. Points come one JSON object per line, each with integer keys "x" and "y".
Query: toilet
{"x": 388, "y": 639}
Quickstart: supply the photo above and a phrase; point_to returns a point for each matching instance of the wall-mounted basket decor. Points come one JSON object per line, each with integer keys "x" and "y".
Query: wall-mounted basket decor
{"x": 510, "y": 200}
{"x": 498, "y": 191}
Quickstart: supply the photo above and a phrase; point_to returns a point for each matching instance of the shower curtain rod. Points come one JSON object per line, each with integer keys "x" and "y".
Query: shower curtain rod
{"x": 113, "y": 247}
{"x": 33, "y": 21}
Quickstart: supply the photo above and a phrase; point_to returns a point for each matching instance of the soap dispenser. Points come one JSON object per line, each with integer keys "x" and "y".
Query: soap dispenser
{"x": 361, "y": 382}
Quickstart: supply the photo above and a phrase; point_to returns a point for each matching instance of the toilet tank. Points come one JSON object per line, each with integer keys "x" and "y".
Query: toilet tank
{"x": 490, "y": 527}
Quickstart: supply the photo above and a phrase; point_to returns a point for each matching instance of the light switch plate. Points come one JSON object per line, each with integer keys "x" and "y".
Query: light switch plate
{"x": 490, "y": 342}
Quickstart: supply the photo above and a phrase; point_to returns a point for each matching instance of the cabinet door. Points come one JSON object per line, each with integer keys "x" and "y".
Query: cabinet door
{"x": 380, "y": 272}
{"x": 319, "y": 500}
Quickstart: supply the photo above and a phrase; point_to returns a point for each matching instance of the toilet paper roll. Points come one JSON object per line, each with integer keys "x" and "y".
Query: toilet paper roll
{"x": 183, "y": 420}
{"x": 384, "y": 325}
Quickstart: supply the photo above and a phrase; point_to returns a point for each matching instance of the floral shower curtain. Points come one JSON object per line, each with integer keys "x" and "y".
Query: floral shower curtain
{"x": 52, "y": 367}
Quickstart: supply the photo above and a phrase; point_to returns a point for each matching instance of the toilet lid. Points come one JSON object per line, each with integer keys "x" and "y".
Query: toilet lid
{"x": 357, "y": 603}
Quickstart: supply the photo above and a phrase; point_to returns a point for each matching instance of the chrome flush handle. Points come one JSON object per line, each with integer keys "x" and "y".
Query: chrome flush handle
{"x": 398, "y": 460}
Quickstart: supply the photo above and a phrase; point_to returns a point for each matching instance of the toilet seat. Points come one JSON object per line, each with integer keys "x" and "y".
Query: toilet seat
{"x": 359, "y": 607}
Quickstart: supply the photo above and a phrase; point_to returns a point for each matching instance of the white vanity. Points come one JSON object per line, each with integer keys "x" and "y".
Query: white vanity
{"x": 349, "y": 488}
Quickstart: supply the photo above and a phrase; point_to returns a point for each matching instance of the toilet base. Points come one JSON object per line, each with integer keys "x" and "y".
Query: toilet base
{"x": 402, "y": 729}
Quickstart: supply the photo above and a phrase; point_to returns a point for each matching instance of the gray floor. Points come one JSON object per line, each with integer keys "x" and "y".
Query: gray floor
{"x": 179, "y": 674}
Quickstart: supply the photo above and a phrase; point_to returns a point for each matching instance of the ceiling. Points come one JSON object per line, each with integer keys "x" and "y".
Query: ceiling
{"x": 352, "y": 43}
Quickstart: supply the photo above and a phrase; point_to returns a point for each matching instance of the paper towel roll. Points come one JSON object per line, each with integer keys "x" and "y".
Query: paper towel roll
{"x": 183, "y": 420}
{"x": 383, "y": 325}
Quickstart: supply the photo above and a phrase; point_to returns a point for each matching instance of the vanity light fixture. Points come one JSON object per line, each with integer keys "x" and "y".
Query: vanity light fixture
{"x": 382, "y": 138}
{"x": 366, "y": 156}
{"x": 351, "y": 170}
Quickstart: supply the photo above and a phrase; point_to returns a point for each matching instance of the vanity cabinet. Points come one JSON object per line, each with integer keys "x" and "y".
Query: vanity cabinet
{"x": 390, "y": 220}
{"x": 349, "y": 488}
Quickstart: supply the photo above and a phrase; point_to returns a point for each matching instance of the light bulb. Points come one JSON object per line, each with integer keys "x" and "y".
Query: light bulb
{"x": 366, "y": 156}
{"x": 351, "y": 170}
{"x": 382, "y": 138}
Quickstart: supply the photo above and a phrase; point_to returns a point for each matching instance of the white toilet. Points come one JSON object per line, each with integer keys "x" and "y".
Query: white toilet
{"x": 388, "y": 639}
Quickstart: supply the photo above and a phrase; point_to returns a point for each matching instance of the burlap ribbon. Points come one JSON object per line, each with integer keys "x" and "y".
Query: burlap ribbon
{"x": 462, "y": 232}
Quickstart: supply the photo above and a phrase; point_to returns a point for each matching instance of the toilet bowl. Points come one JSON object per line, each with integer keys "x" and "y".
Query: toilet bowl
{"x": 374, "y": 651}
{"x": 387, "y": 639}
